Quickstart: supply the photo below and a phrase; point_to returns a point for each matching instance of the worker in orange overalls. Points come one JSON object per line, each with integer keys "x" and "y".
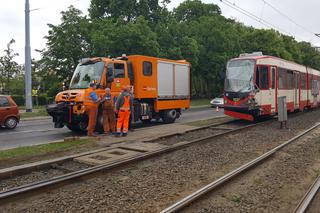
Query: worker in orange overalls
{"x": 123, "y": 108}
{"x": 108, "y": 112}
{"x": 93, "y": 106}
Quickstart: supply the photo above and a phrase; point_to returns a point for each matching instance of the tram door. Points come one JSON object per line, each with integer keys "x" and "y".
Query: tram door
{"x": 272, "y": 89}
{"x": 296, "y": 90}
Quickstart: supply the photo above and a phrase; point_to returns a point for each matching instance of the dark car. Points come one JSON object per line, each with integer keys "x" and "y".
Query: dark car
{"x": 9, "y": 112}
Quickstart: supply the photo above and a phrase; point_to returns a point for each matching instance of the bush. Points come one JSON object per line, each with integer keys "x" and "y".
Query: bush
{"x": 19, "y": 99}
{"x": 42, "y": 100}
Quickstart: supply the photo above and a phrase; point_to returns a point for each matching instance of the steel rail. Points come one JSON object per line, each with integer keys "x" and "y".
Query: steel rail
{"x": 32, "y": 187}
{"x": 222, "y": 180}
{"x": 12, "y": 171}
{"x": 308, "y": 197}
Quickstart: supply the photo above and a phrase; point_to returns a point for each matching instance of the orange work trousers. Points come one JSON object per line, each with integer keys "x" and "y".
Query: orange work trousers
{"x": 93, "y": 110}
{"x": 108, "y": 120}
{"x": 123, "y": 121}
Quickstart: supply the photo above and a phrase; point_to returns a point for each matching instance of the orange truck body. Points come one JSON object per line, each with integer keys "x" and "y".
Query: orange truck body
{"x": 161, "y": 89}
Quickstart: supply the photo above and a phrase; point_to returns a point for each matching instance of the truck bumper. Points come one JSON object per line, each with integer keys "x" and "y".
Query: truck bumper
{"x": 62, "y": 114}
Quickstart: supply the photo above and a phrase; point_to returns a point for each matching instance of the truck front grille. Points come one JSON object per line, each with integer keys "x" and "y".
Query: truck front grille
{"x": 69, "y": 96}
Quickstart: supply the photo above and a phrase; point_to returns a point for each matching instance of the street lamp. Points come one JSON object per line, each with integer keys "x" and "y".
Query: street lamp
{"x": 27, "y": 76}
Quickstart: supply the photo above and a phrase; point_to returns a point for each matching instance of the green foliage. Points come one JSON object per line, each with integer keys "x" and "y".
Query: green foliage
{"x": 194, "y": 31}
{"x": 67, "y": 43}
{"x": 8, "y": 67}
{"x": 19, "y": 99}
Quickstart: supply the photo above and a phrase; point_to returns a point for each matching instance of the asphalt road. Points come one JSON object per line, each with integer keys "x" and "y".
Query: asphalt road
{"x": 41, "y": 131}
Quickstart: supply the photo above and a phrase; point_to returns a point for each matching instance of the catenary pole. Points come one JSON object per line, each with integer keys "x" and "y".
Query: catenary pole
{"x": 28, "y": 79}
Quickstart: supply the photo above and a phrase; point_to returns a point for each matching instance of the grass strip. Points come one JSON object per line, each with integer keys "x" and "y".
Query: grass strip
{"x": 38, "y": 113}
{"x": 199, "y": 102}
{"x": 44, "y": 149}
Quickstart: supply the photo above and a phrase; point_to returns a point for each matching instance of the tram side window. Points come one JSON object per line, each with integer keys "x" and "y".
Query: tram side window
{"x": 310, "y": 81}
{"x": 303, "y": 78}
{"x": 262, "y": 77}
{"x": 290, "y": 79}
{"x": 273, "y": 78}
{"x": 282, "y": 78}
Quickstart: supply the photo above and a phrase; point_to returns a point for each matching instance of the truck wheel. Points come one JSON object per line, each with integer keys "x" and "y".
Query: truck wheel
{"x": 99, "y": 124}
{"x": 146, "y": 121}
{"x": 169, "y": 116}
{"x": 73, "y": 128}
{"x": 11, "y": 123}
{"x": 83, "y": 125}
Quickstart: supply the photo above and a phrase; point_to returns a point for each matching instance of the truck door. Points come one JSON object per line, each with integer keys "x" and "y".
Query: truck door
{"x": 121, "y": 77}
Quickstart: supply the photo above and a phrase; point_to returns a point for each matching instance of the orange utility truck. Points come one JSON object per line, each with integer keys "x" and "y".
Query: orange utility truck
{"x": 161, "y": 89}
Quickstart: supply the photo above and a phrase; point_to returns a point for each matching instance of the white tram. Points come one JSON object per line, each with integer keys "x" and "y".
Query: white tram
{"x": 255, "y": 81}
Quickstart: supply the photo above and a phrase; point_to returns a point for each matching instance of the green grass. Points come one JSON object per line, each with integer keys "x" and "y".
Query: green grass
{"x": 37, "y": 113}
{"x": 199, "y": 102}
{"x": 39, "y": 150}
{"x": 34, "y": 107}
{"x": 236, "y": 199}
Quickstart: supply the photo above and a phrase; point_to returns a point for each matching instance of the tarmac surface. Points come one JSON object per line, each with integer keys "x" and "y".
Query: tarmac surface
{"x": 35, "y": 132}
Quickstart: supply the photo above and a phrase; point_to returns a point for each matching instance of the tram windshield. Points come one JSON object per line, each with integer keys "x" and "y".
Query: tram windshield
{"x": 239, "y": 76}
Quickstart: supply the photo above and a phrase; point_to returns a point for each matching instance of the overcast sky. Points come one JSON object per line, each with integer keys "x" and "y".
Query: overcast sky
{"x": 303, "y": 13}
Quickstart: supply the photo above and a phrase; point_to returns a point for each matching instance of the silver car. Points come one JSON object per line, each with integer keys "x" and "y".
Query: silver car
{"x": 217, "y": 102}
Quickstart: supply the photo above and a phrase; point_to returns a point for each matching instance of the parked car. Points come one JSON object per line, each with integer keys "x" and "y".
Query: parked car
{"x": 9, "y": 112}
{"x": 217, "y": 102}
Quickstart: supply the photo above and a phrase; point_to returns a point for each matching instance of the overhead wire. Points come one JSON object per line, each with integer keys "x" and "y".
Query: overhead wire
{"x": 253, "y": 16}
{"x": 287, "y": 17}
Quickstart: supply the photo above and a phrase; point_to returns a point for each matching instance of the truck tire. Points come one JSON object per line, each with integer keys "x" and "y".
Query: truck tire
{"x": 73, "y": 128}
{"x": 99, "y": 124}
{"x": 169, "y": 116}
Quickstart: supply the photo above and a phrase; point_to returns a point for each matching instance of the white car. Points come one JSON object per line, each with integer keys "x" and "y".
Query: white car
{"x": 217, "y": 102}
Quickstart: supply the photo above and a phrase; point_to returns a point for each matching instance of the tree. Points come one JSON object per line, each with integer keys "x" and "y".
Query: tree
{"x": 191, "y": 10}
{"x": 113, "y": 39}
{"x": 129, "y": 10}
{"x": 8, "y": 67}
{"x": 67, "y": 43}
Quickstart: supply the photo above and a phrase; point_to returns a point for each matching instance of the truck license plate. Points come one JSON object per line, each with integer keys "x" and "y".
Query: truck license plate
{"x": 145, "y": 117}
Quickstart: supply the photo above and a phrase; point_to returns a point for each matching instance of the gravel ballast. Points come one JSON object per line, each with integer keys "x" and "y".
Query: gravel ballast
{"x": 153, "y": 184}
{"x": 276, "y": 185}
{"x": 43, "y": 174}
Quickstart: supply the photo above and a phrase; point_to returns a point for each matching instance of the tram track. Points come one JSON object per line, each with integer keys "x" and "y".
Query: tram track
{"x": 307, "y": 201}
{"x": 153, "y": 184}
{"x": 238, "y": 171}
{"x": 173, "y": 142}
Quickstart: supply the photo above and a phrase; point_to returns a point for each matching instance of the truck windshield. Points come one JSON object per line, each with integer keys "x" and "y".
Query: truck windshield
{"x": 239, "y": 75}
{"x": 86, "y": 74}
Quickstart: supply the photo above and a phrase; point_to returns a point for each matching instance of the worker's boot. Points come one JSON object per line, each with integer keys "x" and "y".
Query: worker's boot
{"x": 124, "y": 134}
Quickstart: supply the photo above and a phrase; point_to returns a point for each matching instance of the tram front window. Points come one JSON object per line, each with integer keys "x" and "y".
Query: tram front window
{"x": 239, "y": 76}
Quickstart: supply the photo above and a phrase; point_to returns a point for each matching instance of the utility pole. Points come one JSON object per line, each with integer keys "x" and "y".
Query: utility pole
{"x": 27, "y": 65}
